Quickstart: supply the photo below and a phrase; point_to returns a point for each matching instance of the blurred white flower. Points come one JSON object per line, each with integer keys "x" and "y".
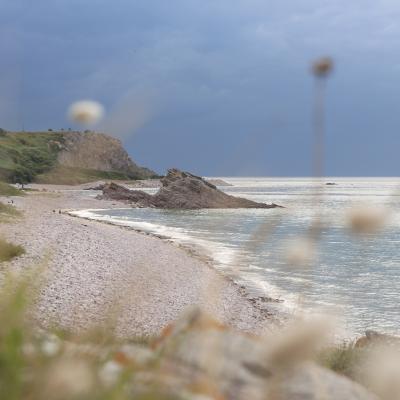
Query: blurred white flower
{"x": 300, "y": 251}
{"x": 86, "y": 112}
{"x": 69, "y": 378}
{"x": 300, "y": 340}
{"x": 366, "y": 219}
{"x": 29, "y": 350}
{"x": 110, "y": 372}
{"x": 51, "y": 346}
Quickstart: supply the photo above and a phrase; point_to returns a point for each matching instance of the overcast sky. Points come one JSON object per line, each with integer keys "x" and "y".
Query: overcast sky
{"x": 216, "y": 87}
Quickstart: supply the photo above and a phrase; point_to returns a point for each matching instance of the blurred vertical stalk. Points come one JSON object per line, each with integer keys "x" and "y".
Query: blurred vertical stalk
{"x": 321, "y": 69}
{"x": 307, "y": 247}
{"x": 319, "y": 127}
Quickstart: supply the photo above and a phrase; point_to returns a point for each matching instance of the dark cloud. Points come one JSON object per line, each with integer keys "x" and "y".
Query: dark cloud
{"x": 214, "y": 87}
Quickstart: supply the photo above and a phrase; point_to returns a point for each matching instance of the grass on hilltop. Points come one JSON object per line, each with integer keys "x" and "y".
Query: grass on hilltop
{"x": 23, "y": 155}
{"x": 32, "y": 157}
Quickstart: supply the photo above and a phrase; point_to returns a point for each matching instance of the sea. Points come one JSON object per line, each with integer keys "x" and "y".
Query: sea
{"x": 355, "y": 277}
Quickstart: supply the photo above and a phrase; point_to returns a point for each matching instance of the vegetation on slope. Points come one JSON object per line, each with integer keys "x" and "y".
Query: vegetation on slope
{"x": 74, "y": 176}
{"x": 23, "y": 155}
{"x": 64, "y": 158}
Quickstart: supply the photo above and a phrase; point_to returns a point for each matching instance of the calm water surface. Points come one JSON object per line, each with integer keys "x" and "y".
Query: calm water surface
{"x": 357, "y": 277}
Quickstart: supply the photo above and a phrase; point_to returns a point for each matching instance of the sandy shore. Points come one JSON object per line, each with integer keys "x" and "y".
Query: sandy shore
{"x": 94, "y": 270}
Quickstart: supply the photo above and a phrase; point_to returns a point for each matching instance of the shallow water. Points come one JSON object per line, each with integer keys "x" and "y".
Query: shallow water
{"x": 358, "y": 278}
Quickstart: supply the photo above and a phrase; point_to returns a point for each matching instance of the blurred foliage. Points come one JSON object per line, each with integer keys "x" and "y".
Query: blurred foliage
{"x": 37, "y": 365}
{"x": 344, "y": 359}
{"x": 8, "y": 250}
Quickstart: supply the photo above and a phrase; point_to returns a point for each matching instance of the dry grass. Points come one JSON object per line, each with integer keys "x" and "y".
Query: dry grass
{"x": 345, "y": 359}
{"x": 8, "y": 212}
{"x": 8, "y": 190}
{"x": 62, "y": 175}
{"x": 8, "y": 251}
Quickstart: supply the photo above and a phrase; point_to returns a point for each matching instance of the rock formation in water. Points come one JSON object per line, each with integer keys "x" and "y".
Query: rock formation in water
{"x": 181, "y": 190}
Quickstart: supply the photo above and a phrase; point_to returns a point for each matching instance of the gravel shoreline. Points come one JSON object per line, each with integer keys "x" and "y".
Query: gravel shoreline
{"x": 98, "y": 273}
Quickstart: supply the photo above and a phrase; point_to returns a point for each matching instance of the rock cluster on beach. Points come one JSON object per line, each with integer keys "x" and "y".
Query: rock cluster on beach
{"x": 181, "y": 190}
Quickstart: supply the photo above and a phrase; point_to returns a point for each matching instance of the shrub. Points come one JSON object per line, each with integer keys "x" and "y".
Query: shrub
{"x": 8, "y": 251}
{"x": 344, "y": 359}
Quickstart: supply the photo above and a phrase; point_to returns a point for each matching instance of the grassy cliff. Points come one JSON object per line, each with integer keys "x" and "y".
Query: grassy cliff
{"x": 64, "y": 158}
{"x": 24, "y": 155}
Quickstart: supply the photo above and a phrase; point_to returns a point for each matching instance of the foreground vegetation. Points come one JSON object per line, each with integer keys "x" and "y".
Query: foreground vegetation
{"x": 8, "y": 212}
{"x": 194, "y": 358}
{"x": 345, "y": 359}
{"x": 8, "y": 251}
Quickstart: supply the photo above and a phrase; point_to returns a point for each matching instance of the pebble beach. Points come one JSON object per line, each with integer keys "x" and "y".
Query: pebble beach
{"x": 97, "y": 274}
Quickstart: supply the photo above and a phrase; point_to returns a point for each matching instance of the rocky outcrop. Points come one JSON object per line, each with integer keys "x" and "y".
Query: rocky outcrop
{"x": 181, "y": 190}
{"x": 113, "y": 191}
{"x": 156, "y": 183}
{"x": 97, "y": 151}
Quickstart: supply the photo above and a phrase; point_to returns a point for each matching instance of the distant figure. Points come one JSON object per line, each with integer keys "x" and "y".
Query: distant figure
{"x": 59, "y": 211}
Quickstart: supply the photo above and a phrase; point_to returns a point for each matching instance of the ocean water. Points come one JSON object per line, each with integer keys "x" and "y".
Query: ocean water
{"x": 357, "y": 278}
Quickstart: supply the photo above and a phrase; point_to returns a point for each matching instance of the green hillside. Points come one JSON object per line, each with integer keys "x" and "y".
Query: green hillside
{"x": 64, "y": 158}
{"x": 23, "y": 155}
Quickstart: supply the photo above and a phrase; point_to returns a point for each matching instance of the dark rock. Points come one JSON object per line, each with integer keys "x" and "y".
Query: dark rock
{"x": 112, "y": 191}
{"x": 181, "y": 190}
{"x": 95, "y": 186}
{"x": 330, "y": 184}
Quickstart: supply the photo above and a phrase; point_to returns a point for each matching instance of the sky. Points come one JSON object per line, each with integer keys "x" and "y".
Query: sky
{"x": 214, "y": 87}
